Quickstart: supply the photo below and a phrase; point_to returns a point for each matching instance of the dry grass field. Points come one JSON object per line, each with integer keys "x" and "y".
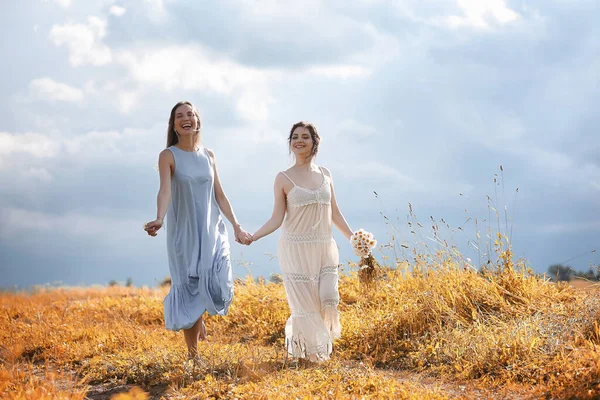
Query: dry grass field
{"x": 438, "y": 330}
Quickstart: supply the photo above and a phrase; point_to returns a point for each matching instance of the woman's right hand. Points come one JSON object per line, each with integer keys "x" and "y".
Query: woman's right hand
{"x": 243, "y": 237}
{"x": 152, "y": 227}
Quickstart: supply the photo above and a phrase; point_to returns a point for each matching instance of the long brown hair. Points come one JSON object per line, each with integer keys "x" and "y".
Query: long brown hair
{"x": 314, "y": 135}
{"x": 172, "y": 137}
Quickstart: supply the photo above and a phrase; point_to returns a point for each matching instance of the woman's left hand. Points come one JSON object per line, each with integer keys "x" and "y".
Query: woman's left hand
{"x": 243, "y": 237}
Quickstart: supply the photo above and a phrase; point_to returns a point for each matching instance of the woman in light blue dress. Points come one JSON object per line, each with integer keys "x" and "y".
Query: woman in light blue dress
{"x": 192, "y": 199}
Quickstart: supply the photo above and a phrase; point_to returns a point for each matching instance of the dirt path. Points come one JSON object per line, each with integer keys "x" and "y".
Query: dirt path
{"x": 462, "y": 390}
{"x": 101, "y": 392}
{"x": 454, "y": 390}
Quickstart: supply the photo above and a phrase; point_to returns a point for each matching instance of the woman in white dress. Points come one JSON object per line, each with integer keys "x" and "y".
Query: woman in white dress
{"x": 307, "y": 253}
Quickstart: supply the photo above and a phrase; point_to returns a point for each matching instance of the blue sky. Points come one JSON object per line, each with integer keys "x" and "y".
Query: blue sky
{"x": 419, "y": 101}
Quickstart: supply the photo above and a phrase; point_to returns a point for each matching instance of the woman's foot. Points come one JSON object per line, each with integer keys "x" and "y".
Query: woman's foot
{"x": 196, "y": 361}
{"x": 306, "y": 362}
{"x": 300, "y": 363}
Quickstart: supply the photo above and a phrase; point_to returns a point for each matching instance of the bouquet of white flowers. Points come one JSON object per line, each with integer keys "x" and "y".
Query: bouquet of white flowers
{"x": 363, "y": 243}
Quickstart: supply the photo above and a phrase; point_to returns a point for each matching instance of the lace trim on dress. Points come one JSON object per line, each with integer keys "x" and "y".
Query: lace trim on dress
{"x": 304, "y": 278}
{"x": 329, "y": 270}
{"x": 329, "y": 303}
{"x": 299, "y": 196}
{"x": 300, "y": 278}
{"x": 306, "y": 237}
{"x": 309, "y": 202}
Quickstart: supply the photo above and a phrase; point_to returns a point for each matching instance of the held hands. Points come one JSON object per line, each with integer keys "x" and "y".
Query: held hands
{"x": 243, "y": 237}
{"x": 152, "y": 227}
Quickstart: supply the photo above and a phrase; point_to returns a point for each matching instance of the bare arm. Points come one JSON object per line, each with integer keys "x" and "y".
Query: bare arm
{"x": 166, "y": 166}
{"x": 337, "y": 217}
{"x": 225, "y": 205}
{"x": 279, "y": 206}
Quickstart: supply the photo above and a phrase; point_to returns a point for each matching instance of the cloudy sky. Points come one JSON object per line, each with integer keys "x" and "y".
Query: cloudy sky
{"x": 419, "y": 101}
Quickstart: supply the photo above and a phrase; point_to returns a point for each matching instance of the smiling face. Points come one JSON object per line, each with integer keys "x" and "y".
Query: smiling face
{"x": 304, "y": 140}
{"x": 185, "y": 120}
{"x": 301, "y": 142}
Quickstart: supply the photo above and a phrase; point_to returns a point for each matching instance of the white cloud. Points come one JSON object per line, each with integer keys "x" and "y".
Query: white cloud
{"x": 127, "y": 100}
{"x": 34, "y": 144}
{"x": 475, "y": 14}
{"x": 354, "y": 128}
{"x": 385, "y": 48}
{"x": 84, "y": 42}
{"x": 156, "y": 10}
{"x": 340, "y": 71}
{"x": 367, "y": 170}
{"x": 126, "y": 147}
{"x": 274, "y": 8}
{"x": 188, "y": 67}
{"x": 481, "y": 14}
{"x": 93, "y": 143}
{"x": 117, "y": 10}
{"x": 194, "y": 68}
{"x": 64, "y": 3}
{"x": 48, "y": 89}
{"x": 254, "y": 106}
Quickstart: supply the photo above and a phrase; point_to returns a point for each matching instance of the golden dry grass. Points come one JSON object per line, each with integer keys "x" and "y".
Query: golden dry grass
{"x": 437, "y": 331}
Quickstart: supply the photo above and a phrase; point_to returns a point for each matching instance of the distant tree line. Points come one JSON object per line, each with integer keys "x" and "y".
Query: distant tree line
{"x": 128, "y": 283}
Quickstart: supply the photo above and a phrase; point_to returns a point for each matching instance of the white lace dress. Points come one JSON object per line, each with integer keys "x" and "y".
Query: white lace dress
{"x": 309, "y": 260}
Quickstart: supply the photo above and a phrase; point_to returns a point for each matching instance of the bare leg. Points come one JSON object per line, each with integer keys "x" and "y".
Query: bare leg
{"x": 191, "y": 338}
{"x": 202, "y": 331}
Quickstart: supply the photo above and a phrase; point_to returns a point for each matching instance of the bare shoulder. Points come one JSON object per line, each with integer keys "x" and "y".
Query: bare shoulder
{"x": 326, "y": 171}
{"x": 166, "y": 155}
{"x": 210, "y": 153}
{"x": 280, "y": 178}
{"x": 283, "y": 182}
{"x": 289, "y": 171}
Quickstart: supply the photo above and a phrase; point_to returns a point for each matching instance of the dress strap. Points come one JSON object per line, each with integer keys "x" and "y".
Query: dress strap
{"x": 293, "y": 183}
{"x": 325, "y": 177}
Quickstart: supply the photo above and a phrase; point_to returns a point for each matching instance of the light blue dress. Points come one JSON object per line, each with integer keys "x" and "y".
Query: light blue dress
{"x": 197, "y": 244}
